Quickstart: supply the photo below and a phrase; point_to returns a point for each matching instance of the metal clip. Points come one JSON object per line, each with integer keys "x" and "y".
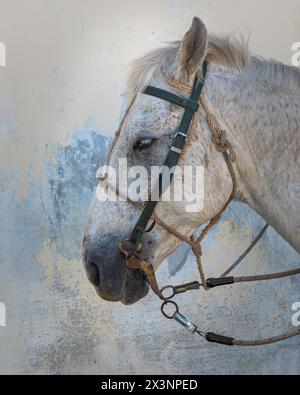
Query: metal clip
{"x": 181, "y": 319}
{"x": 185, "y": 322}
{"x": 177, "y": 316}
{"x": 179, "y": 289}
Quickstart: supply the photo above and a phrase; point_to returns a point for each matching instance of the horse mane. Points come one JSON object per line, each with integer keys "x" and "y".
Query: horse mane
{"x": 226, "y": 54}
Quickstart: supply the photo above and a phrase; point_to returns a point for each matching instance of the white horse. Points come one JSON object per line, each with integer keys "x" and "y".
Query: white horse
{"x": 256, "y": 101}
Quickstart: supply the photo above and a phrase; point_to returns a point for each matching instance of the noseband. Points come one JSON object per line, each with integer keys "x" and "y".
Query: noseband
{"x": 131, "y": 248}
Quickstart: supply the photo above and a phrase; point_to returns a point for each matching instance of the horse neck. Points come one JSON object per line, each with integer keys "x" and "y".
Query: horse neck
{"x": 262, "y": 121}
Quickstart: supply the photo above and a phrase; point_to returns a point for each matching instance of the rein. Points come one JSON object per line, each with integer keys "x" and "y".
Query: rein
{"x": 132, "y": 247}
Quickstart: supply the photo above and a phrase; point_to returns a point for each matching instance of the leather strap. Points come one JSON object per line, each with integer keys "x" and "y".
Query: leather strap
{"x": 172, "y": 98}
{"x": 178, "y": 144}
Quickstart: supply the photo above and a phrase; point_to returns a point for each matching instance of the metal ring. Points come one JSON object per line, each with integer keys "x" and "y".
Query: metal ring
{"x": 169, "y": 317}
{"x": 130, "y": 248}
{"x": 173, "y": 292}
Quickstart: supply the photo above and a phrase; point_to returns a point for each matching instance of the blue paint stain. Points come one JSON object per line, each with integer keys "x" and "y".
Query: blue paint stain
{"x": 7, "y": 127}
{"x": 110, "y": 48}
{"x": 55, "y": 73}
{"x": 72, "y": 183}
{"x": 172, "y": 3}
{"x": 51, "y": 217}
{"x": 60, "y": 109}
{"x": 152, "y": 39}
{"x": 54, "y": 208}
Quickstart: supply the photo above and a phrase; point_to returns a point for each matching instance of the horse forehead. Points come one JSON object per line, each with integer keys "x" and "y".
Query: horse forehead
{"x": 151, "y": 114}
{"x": 149, "y": 106}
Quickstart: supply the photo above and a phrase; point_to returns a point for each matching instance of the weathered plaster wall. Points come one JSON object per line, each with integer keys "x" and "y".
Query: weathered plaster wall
{"x": 60, "y": 101}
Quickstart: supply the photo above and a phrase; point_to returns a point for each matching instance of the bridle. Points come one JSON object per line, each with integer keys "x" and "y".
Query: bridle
{"x": 132, "y": 247}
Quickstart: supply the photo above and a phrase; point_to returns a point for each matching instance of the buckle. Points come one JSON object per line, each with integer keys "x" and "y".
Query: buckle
{"x": 182, "y": 134}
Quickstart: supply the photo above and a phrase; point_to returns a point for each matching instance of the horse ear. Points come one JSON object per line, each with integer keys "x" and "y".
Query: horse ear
{"x": 192, "y": 52}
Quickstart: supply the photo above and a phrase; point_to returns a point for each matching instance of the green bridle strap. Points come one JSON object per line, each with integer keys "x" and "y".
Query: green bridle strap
{"x": 191, "y": 106}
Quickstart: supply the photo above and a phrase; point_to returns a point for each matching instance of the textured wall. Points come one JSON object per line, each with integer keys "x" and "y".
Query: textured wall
{"x": 60, "y": 101}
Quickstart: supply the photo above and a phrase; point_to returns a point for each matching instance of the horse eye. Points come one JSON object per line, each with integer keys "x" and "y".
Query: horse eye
{"x": 142, "y": 144}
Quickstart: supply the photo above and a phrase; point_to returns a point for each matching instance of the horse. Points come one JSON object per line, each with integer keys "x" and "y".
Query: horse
{"x": 257, "y": 103}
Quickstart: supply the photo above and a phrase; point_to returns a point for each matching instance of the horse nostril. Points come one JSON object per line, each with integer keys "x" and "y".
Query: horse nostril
{"x": 93, "y": 274}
